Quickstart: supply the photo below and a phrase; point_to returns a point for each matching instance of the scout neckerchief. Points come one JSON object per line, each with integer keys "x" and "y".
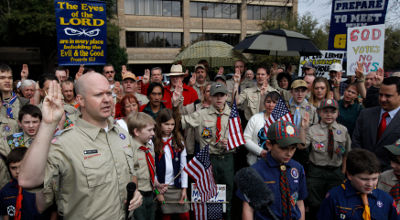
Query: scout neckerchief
{"x": 395, "y": 192}
{"x": 285, "y": 193}
{"x": 367, "y": 212}
{"x": 218, "y": 132}
{"x": 167, "y": 143}
{"x": 18, "y": 204}
{"x": 8, "y": 105}
{"x": 150, "y": 163}
{"x": 330, "y": 142}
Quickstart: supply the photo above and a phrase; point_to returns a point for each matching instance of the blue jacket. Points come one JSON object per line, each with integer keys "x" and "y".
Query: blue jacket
{"x": 344, "y": 202}
{"x": 270, "y": 172}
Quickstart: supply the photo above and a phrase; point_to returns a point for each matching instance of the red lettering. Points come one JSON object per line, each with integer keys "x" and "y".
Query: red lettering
{"x": 353, "y": 35}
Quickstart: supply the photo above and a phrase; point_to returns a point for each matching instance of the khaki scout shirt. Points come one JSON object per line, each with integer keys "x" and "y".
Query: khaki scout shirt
{"x": 250, "y": 100}
{"x": 8, "y": 126}
{"x": 305, "y": 107}
{"x": 87, "y": 171}
{"x": 197, "y": 87}
{"x": 317, "y": 139}
{"x": 16, "y": 106}
{"x": 205, "y": 122}
{"x": 140, "y": 165}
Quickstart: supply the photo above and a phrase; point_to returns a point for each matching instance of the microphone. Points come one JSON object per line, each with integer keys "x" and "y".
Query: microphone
{"x": 258, "y": 194}
{"x": 130, "y": 189}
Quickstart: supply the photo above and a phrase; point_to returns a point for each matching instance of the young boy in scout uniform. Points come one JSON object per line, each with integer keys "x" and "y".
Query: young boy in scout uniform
{"x": 389, "y": 181}
{"x": 283, "y": 175}
{"x": 141, "y": 127}
{"x": 211, "y": 125}
{"x": 358, "y": 197}
{"x": 29, "y": 118}
{"x": 329, "y": 143}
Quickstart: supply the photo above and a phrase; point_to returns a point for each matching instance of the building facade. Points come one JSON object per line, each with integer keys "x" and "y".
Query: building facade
{"x": 154, "y": 31}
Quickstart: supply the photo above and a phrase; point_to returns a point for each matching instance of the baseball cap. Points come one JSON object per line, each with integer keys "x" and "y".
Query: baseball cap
{"x": 299, "y": 83}
{"x": 308, "y": 65}
{"x": 335, "y": 67}
{"x": 394, "y": 148}
{"x": 199, "y": 66}
{"x": 328, "y": 103}
{"x": 284, "y": 133}
{"x": 218, "y": 88}
{"x": 220, "y": 77}
{"x": 129, "y": 75}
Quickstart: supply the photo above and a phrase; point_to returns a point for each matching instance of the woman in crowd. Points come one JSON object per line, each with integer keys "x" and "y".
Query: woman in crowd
{"x": 254, "y": 133}
{"x": 320, "y": 90}
{"x": 349, "y": 108}
{"x": 284, "y": 80}
{"x": 129, "y": 104}
{"x": 155, "y": 94}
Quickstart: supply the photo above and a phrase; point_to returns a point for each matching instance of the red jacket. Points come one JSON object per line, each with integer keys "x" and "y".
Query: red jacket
{"x": 189, "y": 95}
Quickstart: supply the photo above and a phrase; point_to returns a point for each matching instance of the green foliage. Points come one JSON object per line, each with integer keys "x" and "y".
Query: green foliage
{"x": 116, "y": 55}
{"x": 392, "y": 49}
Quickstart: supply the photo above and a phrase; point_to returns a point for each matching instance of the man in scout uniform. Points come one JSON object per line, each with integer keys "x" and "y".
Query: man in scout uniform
{"x": 11, "y": 102}
{"x": 87, "y": 167}
{"x": 358, "y": 197}
{"x": 329, "y": 143}
{"x": 252, "y": 99}
{"x": 201, "y": 79}
{"x": 389, "y": 181}
{"x": 211, "y": 125}
{"x": 141, "y": 127}
{"x": 283, "y": 175}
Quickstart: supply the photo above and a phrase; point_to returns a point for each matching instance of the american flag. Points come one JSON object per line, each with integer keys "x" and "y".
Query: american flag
{"x": 200, "y": 169}
{"x": 235, "y": 136}
{"x": 207, "y": 211}
{"x": 280, "y": 112}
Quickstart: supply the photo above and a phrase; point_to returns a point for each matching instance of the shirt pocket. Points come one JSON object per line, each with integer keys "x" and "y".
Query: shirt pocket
{"x": 129, "y": 160}
{"x": 209, "y": 129}
{"x": 97, "y": 170}
{"x": 340, "y": 142}
{"x": 253, "y": 102}
{"x": 319, "y": 144}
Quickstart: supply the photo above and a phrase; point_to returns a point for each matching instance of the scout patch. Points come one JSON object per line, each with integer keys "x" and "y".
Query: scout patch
{"x": 379, "y": 204}
{"x": 329, "y": 102}
{"x": 339, "y": 132}
{"x": 122, "y": 136}
{"x": 340, "y": 150}
{"x": 294, "y": 172}
{"x": 308, "y": 108}
{"x": 290, "y": 130}
{"x": 206, "y": 133}
{"x": 342, "y": 216}
{"x": 7, "y": 128}
{"x": 318, "y": 146}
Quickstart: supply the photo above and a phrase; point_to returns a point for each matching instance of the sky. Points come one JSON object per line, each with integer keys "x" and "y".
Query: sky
{"x": 321, "y": 10}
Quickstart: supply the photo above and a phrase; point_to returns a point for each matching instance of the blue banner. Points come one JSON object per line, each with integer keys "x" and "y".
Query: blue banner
{"x": 352, "y": 13}
{"x": 81, "y": 32}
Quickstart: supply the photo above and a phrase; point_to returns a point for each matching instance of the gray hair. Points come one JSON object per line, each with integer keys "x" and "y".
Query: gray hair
{"x": 156, "y": 68}
{"x": 26, "y": 83}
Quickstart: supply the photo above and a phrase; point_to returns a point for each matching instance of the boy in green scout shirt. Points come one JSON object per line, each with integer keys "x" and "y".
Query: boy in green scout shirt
{"x": 211, "y": 125}
{"x": 329, "y": 143}
{"x": 141, "y": 127}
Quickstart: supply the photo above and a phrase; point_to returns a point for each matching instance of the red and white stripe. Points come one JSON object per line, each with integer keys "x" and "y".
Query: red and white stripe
{"x": 271, "y": 120}
{"x": 235, "y": 137}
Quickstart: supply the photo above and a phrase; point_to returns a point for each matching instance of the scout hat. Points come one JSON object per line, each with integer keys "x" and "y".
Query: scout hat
{"x": 176, "y": 70}
{"x": 335, "y": 67}
{"x": 220, "y": 77}
{"x": 299, "y": 83}
{"x": 218, "y": 88}
{"x": 129, "y": 75}
{"x": 328, "y": 103}
{"x": 394, "y": 148}
{"x": 284, "y": 133}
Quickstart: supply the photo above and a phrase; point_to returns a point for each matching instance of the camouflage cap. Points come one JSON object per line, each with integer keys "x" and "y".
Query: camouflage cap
{"x": 284, "y": 133}
{"x": 394, "y": 148}
{"x": 328, "y": 103}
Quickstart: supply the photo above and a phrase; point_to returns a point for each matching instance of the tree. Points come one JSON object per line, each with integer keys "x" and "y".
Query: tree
{"x": 32, "y": 23}
{"x": 392, "y": 49}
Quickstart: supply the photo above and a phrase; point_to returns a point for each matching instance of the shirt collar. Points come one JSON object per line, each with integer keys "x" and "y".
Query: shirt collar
{"x": 271, "y": 162}
{"x": 334, "y": 125}
{"x": 349, "y": 190}
{"x": 93, "y": 131}
{"x": 226, "y": 110}
{"x": 391, "y": 113}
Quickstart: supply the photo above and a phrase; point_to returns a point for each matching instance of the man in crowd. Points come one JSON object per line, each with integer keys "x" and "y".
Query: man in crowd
{"x": 67, "y": 89}
{"x": 129, "y": 86}
{"x": 28, "y": 88}
{"x": 308, "y": 69}
{"x": 109, "y": 73}
{"x": 378, "y": 126}
{"x": 89, "y": 165}
{"x": 61, "y": 74}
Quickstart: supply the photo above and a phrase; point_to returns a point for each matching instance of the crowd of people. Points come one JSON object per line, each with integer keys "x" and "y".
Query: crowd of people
{"x": 71, "y": 144}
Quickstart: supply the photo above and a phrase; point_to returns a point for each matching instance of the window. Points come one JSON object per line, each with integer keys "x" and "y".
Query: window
{"x": 153, "y": 39}
{"x": 257, "y": 12}
{"x": 154, "y": 7}
{"x": 214, "y": 10}
{"x": 231, "y": 39}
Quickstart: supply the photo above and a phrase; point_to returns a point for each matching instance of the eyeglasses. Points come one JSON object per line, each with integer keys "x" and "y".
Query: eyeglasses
{"x": 110, "y": 72}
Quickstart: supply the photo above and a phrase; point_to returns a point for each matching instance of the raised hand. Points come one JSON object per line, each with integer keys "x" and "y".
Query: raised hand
{"x": 177, "y": 95}
{"x": 24, "y": 72}
{"x": 80, "y": 72}
{"x": 123, "y": 70}
{"x": 146, "y": 76}
{"x": 305, "y": 121}
{"x": 360, "y": 71}
{"x": 274, "y": 69}
{"x": 220, "y": 70}
{"x": 53, "y": 108}
{"x": 380, "y": 74}
{"x": 337, "y": 79}
{"x": 264, "y": 87}
{"x": 237, "y": 76}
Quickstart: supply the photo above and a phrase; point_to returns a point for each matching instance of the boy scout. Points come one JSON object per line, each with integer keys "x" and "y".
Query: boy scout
{"x": 211, "y": 125}
{"x": 298, "y": 105}
{"x": 358, "y": 197}
{"x": 141, "y": 127}
{"x": 283, "y": 175}
{"x": 329, "y": 144}
{"x": 86, "y": 167}
{"x": 252, "y": 99}
{"x": 389, "y": 180}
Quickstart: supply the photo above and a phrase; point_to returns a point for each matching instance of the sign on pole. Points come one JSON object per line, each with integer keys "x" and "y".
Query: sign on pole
{"x": 365, "y": 45}
{"x": 353, "y": 13}
{"x": 322, "y": 62}
{"x": 81, "y": 32}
